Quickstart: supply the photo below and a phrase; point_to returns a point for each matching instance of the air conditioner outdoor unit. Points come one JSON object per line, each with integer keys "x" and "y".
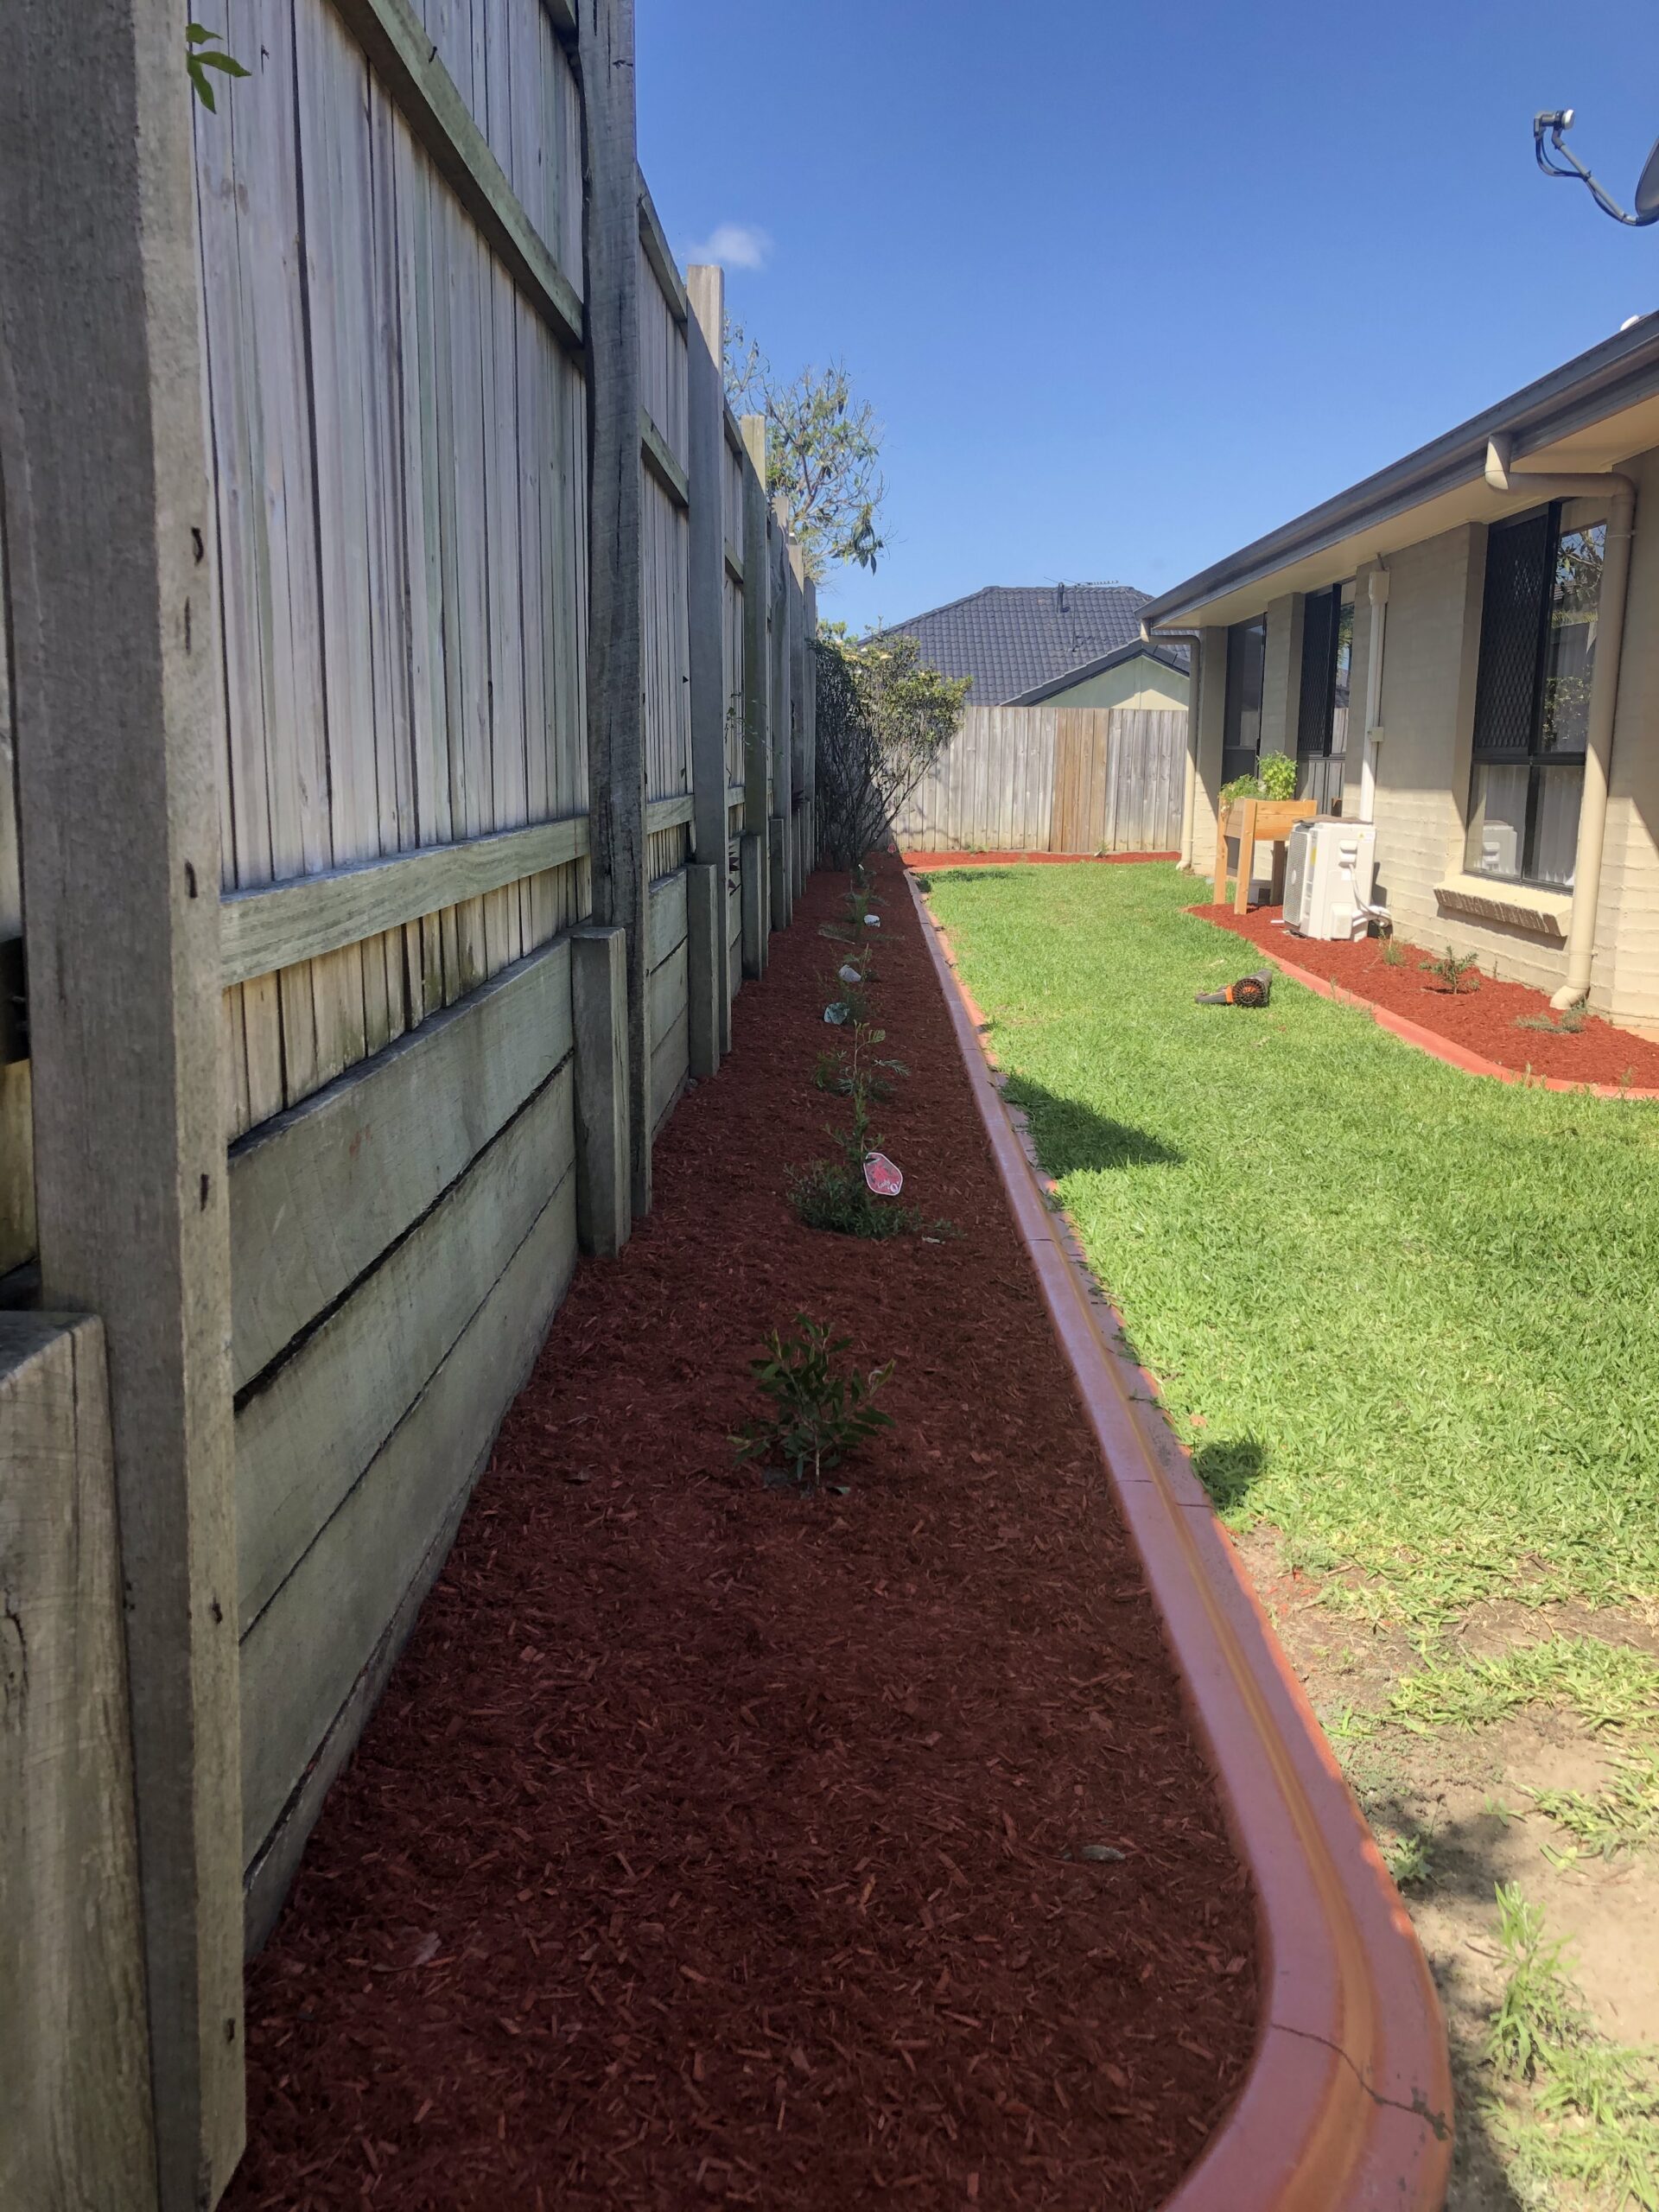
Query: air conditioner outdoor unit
{"x": 1328, "y": 877}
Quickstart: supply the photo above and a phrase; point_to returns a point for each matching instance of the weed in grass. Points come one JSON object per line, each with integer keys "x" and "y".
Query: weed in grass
{"x": 1592, "y": 2111}
{"x": 1409, "y": 1857}
{"x": 1404, "y": 1326}
{"x": 819, "y": 1415}
{"x": 1539, "y": 2010}
{"x": 1623, "y": 1817}
{"x": 1455, "y": 971}
{"x": 1606, "y": 1685}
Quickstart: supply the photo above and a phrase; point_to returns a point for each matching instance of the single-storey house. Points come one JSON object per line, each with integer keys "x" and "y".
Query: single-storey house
{"x": 1464, "y": 649}
{"x": 1053, "y": 646}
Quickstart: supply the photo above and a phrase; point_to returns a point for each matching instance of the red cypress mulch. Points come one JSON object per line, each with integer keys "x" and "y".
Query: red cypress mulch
{"x": 1487, "y": 1020}
{"x": 714, "y": 1844}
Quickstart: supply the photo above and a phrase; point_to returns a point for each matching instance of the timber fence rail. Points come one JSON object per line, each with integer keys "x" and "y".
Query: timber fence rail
{"x": 414, "y": 752}
{"x": 1053, "y": 780}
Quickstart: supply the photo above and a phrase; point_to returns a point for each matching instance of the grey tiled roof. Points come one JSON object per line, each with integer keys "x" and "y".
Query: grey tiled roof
{"x": 1014, "y": 638}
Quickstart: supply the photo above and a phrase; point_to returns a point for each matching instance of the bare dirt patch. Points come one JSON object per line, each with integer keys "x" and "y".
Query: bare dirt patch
{"x": 1465, "y": 1799}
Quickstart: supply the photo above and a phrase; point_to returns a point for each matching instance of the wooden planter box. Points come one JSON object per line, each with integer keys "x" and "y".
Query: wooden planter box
{"x": 1255, "y": 821}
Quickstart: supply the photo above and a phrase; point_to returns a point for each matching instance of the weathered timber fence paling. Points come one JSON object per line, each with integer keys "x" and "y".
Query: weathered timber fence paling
{"x": 1053, "y": 780}
{"x": 435, "y": 579}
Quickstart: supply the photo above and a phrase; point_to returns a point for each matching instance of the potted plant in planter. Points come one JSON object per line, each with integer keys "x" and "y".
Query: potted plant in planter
{"x": 1257, "y": 809}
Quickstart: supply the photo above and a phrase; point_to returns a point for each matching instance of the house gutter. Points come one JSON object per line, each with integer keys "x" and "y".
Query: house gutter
{"x": 1619, "y": 492}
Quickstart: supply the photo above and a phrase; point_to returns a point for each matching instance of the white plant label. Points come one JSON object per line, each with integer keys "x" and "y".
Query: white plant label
{"x": 850, "y": 974}
{"x": 836, "y": 1014}
{"x": 882, "y": 1177}
{"x": 872, "y": 921}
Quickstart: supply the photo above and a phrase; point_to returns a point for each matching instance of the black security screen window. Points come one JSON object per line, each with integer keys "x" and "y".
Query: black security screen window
{"x": 1532, "y": 700}
{"x": 1241, "y": 737}
{"x": 1327, "y": 677}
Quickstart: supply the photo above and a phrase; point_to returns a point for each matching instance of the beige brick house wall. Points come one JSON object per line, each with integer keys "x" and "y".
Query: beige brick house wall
{"x": 1430, "y": 667}
{"x": 1627, "y": 936}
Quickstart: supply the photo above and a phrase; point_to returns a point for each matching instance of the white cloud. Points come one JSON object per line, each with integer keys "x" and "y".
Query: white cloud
{"x": 733, "y": 245}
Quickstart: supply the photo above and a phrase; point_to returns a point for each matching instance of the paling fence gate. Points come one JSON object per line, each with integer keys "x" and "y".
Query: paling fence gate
{"x": 1053, "y": 780}
{"x": 414, "y": 750}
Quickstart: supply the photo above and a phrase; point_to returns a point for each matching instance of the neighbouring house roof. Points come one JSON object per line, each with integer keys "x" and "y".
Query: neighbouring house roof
{"x": 1018, "y": 640}
{"x": 1590, "y": 414}
{"x": 1166, "y": 656}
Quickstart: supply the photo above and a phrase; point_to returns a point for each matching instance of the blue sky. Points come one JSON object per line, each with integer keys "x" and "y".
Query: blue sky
{"x": 1129, "y": 284}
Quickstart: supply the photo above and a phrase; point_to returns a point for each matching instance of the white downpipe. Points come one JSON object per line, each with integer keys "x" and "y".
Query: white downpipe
{"x": 1619, "y": 492}
{"x": 1377, "y": 585}
{"x": 1193, "y": 640}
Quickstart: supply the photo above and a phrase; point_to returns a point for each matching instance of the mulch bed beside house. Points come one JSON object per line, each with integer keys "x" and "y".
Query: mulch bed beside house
{"x": 715, "y": 1844}
{"x": 1486, "y": 1020}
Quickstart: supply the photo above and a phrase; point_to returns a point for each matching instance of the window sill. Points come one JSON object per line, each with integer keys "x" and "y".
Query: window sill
{"x": 1517, "y": 905}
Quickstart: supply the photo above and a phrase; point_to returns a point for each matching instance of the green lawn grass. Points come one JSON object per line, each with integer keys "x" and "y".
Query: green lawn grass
{"x": 1409, "y": 1316}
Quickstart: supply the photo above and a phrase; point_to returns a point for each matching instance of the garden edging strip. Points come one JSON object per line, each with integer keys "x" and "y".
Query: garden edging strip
{"x": 1348, "y": 2103}
{"x": 1443, "y": 1048}
{"x": 913, "y": 860}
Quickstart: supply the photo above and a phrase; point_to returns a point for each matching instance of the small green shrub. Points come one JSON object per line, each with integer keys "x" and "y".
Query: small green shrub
{"x": 1457, "y": 969}
{"x": 819, "y": 1415}
{"x": 1278, "y": 773}
{"x": 832, "y": 1194}
{"x": 1569, "y": 1024}
{"x": 828, "y": 1196}
{"x": 842, "y": 1071}
{"x": 1275, "y": 778}
{"x": 1394, "y": 953}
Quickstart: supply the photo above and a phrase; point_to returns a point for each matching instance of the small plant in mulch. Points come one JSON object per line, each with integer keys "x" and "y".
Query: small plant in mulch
{"x": 1569, "y": 1024}
{"x": 1394, "y": 953}
{"x": 820, "y": 1413}
{"x": 861, "y": 903}
{"x": 833, "y": 1194}
{"x": 1457, "y": 973}
{"x": 847, "y": 997}
{"x": 857, "y": 1062}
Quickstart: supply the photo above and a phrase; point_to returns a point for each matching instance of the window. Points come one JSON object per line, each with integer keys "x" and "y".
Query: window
{"x": 1241, "y": 737}
{"x": 1532, "y": 700}
{"x": 1327, "y": 681}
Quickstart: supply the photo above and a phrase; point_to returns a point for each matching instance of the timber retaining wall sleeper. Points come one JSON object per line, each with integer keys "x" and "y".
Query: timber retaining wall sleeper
{"x": 1348, "y": 2103}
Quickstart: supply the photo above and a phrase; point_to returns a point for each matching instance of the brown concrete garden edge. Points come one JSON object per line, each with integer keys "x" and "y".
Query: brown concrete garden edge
{"x": 1348, "y": 2102}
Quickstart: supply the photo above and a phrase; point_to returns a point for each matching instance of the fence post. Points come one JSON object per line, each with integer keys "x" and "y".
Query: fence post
{"x": 73, "y": 2052}
{"x": 810, "y": 715}
{"x": 757, "y": 701}
{"x": 599, "y": 1013}
{"x": 117, "y": 696}
{"x": 616, "y": 761}
{"x": 706, "y": 590}
{"x": 781, "y": 582}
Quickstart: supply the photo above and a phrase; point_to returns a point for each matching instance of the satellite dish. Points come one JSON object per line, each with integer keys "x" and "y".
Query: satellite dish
{"x": 1558, "y": 159}
{"x": 1647, "y": 189}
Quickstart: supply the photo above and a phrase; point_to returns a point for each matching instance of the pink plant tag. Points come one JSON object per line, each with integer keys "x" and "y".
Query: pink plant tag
{"x": 884, "y": 1179}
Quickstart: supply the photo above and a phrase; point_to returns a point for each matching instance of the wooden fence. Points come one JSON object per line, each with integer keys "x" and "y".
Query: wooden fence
{"x": 383, "y": 556}
{"x": 1053, "y": 780}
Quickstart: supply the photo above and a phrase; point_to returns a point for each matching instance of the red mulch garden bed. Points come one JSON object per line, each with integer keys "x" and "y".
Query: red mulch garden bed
{"x": 1484, "y": 1021}
{"x": 715, "y": 1844}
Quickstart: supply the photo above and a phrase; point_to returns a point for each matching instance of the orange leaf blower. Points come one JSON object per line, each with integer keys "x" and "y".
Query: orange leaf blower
{"x": 1249, "y": 990}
